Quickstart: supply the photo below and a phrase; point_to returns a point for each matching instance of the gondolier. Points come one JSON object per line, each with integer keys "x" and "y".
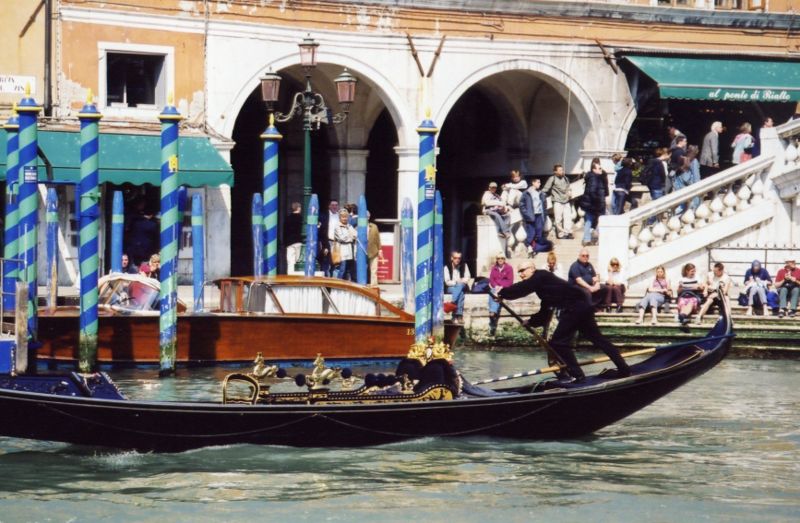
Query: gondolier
{"x": 577, "y": 315}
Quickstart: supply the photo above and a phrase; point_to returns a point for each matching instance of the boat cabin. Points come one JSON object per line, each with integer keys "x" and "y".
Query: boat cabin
{"x": 298, "y": 295}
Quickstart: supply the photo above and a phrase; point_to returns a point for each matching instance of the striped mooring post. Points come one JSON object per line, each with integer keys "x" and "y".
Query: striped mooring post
{"x": 89, "y": 191}
{"x": 198, "y": 252}
{"x": 438, "y": 269}
{"x": 362, "y": 269}
{"x": 257, "y": 221}
{"x": 28, "y": 201}
{"x": 117, "y": 231}
{"x": 407, "y": 254}
{"x": 271, "y": 137}
{"x": 312, "y": 221}
{"x": 51, "y": 218}
{"x": 10, "y": 248}
{"x": 168, "y": 319}
{"x": 425, "y": 197}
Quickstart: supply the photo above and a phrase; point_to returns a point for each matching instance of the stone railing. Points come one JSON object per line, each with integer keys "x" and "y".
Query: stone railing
{"x": 685, "y": 221}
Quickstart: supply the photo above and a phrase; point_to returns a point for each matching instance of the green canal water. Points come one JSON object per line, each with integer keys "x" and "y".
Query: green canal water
{"x": 725, "y": 447}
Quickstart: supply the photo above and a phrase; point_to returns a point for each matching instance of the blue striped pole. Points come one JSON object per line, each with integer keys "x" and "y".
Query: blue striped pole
{"x": 361, "y": 254}
{"x": 11, "y": 269}
{"x": 407, "y": 254}
{"x": 438, "y": 269}
{"x": 271, "y": 137}
{"x": 425, "y": 196}
{"x": 198, "y": 251}
{"x": 88, "y": 237}
{"x": 168, "y": 320}
{"x": 312, "y": 224}
{"x": 117, "y": 231}
{"x": 29, "y": 202}
{"x": 257, "y": 219}
{"x": 51, "y": 218}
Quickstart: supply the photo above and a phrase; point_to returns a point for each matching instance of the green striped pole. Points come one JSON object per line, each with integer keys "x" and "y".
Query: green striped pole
{"x": 87, "y": 251}
{"x": 168, "y": 324}
{"x": 29, "y": 203}
{"x": 11, "y": 269}
{"x": 425, "y": 197}
{"x": 269, "y": 208}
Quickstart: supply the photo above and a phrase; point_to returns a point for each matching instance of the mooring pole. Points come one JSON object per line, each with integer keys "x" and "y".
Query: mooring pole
{"x": 198, "y": 251}
{"x": 438, "y": 269}
{"x": 28, "y": 111}
{"x": 362, "y": 269}
{"x": 425, "y": 196}
{"x": 51, "y": 218}
{"x": 10, "y": 249}
{"x": 168, "y": 321}
{"x": 88, "y": 189}
{"x": 271, "y": 137}
{"x": 257, "y": 220}
{"x": 117, "y": 231}
{"x": 407, "y": 254}
{"x": 312, "y": 222}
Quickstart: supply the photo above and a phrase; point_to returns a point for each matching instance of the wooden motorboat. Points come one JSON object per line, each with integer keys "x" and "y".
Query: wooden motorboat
{"x": 436, "y": 402}
{"x": 286, "y": 318}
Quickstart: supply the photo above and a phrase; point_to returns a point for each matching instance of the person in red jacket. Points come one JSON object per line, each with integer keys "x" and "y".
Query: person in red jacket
{"x": 500, "y": 277}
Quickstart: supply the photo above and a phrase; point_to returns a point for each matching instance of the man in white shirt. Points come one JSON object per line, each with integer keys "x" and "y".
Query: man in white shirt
{"x": 716, "y": 279}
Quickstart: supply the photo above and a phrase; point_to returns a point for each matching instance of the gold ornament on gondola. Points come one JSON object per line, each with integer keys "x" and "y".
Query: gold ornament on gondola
{"x": 425, "y": 351}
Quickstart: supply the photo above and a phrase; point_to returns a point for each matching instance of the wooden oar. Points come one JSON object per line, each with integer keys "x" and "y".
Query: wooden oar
{"x": 538, "y": 337}
{"x": 556, "y": 368}
{"x": 600, "y": 359}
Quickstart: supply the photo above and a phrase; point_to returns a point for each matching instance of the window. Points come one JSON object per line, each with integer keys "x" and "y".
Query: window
{"x": 134, "y": 80}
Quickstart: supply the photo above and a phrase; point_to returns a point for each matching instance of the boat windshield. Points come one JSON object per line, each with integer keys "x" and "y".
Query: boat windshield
{"x": 299, "y": 299}
{"x": 133, "y": 296}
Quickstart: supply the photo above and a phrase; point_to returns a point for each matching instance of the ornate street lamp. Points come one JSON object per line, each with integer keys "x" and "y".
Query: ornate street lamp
{"x": 311, "y": 106}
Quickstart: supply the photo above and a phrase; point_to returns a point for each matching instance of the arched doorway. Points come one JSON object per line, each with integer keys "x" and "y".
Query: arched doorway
{"x": 349, "y": 159}
{"x": 515, "y": 119}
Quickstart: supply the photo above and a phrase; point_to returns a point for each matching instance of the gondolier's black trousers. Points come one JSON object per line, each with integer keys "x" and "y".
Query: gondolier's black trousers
{"x": 580, "y": 318}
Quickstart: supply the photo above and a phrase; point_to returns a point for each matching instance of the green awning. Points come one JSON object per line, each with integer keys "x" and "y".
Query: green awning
{"x": 722, "y": 79}
{"x": 128, "y": 158}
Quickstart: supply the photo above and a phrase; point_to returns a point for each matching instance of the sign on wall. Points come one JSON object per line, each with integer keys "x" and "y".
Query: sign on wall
{"x": 15, "y": 84}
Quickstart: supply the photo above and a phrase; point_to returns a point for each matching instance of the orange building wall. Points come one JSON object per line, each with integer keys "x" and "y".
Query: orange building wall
{"x": 80, "y": 58}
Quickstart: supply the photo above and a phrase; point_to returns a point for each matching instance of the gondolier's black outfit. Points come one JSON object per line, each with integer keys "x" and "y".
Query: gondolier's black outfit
{"x": 577, "y": 314}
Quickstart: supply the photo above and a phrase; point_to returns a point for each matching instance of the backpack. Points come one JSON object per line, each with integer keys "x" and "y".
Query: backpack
{"x": 645, "y": 175}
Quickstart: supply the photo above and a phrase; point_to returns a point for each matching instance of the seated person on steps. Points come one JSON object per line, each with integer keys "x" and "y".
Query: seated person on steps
{"x": 787, "y": 282}
{"x": 716, "y": 279}
{"x": 494, "y": 207}
{"x": 658, "y": 293}
{"x": 457, "y": 281}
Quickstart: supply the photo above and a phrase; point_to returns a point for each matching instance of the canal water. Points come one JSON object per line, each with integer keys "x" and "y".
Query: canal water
{"x": 725, "y": 447}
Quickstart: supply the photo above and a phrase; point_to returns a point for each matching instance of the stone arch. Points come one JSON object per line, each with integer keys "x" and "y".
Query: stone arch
{"x": 582, "y": 104}
{"x": 387, "y": 92}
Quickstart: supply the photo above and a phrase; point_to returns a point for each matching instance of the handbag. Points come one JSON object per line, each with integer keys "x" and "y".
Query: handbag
{"x": 336, "y": 254}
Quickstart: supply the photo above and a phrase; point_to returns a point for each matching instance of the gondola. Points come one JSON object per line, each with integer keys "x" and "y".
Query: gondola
{"x": 90, "y": 410}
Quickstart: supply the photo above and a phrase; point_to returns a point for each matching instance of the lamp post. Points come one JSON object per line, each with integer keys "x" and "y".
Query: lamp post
{"x": 310, "y": 106}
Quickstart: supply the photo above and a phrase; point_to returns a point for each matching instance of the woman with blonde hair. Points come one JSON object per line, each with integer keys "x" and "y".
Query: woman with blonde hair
{"x": 690, "y": 293}
{"x": 658, "y": 293}
{"x": 613, "y": 285}
{"x": 553, "y": 266}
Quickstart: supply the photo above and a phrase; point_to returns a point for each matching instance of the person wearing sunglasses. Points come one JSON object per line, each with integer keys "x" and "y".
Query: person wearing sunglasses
{"x": 577, "y": 315}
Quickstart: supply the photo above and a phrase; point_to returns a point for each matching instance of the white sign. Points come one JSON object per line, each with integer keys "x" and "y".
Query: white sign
{"x": 10, "y": 83}
{"x": 31, "y": 174}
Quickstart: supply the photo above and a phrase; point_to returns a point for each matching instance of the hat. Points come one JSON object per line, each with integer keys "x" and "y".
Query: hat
{"x": 493, "y": 184}
{"x": 790, "y": 258}
{"x": 501, "y": 255}
{"x": 144, "y": 267}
